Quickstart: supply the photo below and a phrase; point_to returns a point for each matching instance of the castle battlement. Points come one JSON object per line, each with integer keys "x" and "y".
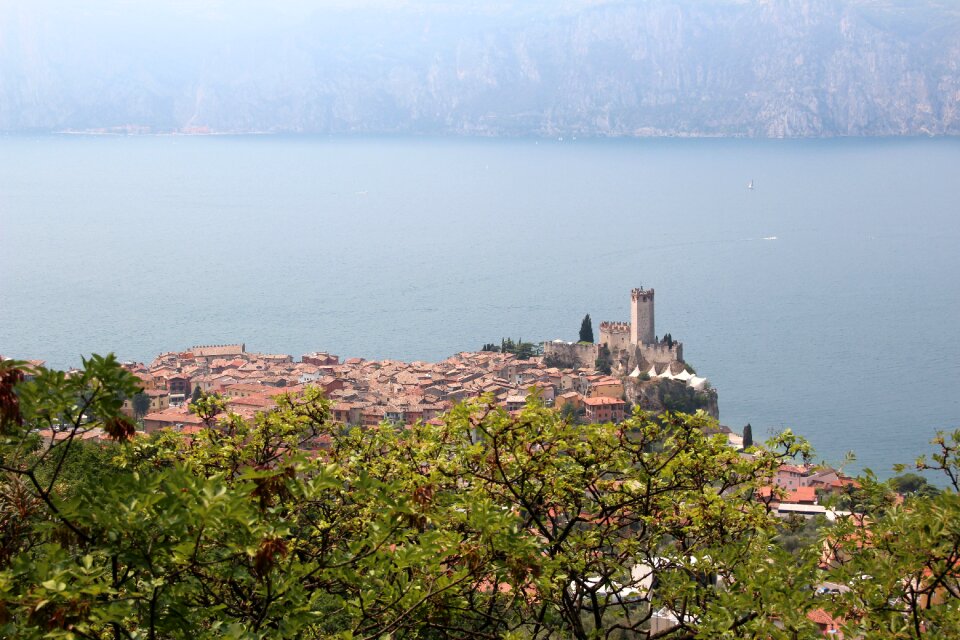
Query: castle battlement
{"x": 218, "y": 350}
{"x": 615, "y": 335}
{"x": 660, "y": 353}
{"x": 615, "y": 327}
{"x": 642, "y": 294}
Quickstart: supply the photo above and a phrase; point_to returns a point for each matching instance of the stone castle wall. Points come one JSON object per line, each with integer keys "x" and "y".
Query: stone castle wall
{"x": 616, "y": 335}
{"x": 571, "y": 354}
{"x": 659, "y": 353}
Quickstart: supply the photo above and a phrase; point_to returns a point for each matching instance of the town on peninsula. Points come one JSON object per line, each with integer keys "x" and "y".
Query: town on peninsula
{"x": 581, "y": 485}
{"x": 593, "y": 382}
{"x": 588, "y": 382}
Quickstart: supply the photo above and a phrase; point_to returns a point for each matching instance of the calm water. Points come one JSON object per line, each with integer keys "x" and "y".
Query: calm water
{"x": 844, "y": 327}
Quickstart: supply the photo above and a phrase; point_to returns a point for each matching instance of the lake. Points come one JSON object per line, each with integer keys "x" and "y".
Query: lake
{"x": 825, "y": 299}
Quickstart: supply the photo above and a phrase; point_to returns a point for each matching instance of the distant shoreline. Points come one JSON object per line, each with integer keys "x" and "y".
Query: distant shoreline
{"x": 563, "y": 139}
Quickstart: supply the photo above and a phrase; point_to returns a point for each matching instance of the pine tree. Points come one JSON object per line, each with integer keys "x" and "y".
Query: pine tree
{"x": 747, "y": 436}
{"x": 586, "y": 329}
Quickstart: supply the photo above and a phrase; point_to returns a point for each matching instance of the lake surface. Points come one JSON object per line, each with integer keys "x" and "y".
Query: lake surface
{"x": 845, "y": 327}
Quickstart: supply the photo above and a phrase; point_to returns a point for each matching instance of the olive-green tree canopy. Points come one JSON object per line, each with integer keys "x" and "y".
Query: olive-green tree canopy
{"x": 486, "y": 525}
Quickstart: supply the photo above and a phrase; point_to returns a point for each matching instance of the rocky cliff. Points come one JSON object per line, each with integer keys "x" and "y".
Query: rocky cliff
{"x": 775, "y": 68}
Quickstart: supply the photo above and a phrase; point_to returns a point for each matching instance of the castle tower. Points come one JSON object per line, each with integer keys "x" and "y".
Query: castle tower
{"x": 641, "y": 316}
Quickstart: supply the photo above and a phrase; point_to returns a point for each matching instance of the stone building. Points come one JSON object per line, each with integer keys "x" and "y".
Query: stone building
{"x": 641, "y": 317}
{"x": 616, "y": 335}
{"x": 635, "y": 344}
{"x": 631, "y": 344}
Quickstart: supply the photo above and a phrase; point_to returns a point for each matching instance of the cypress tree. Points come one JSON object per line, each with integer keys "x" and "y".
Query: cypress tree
{"x": 747, "y": 436}
{"x": 586, "y": 329}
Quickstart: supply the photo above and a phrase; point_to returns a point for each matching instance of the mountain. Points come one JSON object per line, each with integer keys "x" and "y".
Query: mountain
{"x": 775, "y": 68}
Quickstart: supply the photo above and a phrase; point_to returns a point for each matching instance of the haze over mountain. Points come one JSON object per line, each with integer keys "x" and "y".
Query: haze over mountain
{"x": 779, "y": 68}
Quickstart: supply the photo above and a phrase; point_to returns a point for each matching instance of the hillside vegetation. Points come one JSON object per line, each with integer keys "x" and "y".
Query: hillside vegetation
{"x": 484, "y": 525}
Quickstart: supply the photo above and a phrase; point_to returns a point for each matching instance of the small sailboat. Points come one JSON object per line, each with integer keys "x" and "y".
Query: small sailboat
{"x": 750, "y": 185}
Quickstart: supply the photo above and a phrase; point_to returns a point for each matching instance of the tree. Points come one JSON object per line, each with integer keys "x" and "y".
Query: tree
{"x": 586, "y": 329}
{"x": 197, "y": 394}
{"x": 523, "y": 350}
{"x": 604, "y": 361}
{"x": 484, "y": 526}
{"x": 901, "y": 558}
{"x": 747, "y": 436}
{"x": 141, "y": 404}
{"x": 913, "y": 484}
{"x": 490, "y": 347}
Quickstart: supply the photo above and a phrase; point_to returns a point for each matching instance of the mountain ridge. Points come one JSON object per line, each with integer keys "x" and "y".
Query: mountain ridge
{"x": 802, "y": 68}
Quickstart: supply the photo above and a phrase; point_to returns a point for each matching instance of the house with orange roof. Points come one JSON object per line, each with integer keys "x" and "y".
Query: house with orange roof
{"x": 829, "y": 626}
{"x": 515, "y": 402}
{"x": 570, "y": 397}
{"x": 159, "y": 401}
{"x": 242, "y": 389}
{"x": 346, "y": 413}
{"x": 253, "y": 404}
{"x": 275, "y": 358}
{"x": 545, "y": 390}
{"x": 169, "y": 418}
{"x": 147, "y": 381}
{"x": 801, "y": 495}
{"x": 605, "y": 387}
{"x": 371, "y": 416}
{"x": 320, "y": 358}
{"x": 599, "y": 410}
{"x": 790, "y": 476}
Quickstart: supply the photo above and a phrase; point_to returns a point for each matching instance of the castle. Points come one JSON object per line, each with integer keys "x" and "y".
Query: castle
{"x": 632, "y": 344}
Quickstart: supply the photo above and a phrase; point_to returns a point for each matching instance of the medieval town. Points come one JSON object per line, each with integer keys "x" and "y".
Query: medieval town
{"x": 590, "y": 382}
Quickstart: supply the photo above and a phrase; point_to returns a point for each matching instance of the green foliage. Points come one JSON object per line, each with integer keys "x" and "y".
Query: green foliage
{"x": 747, "y": 436}
{"x": 571, "y": 414}
{"x": 485, "y": 526}
{"x": 141, "y": 404}
{"x": 586, "y": 330}
{"x": 678, "y": 397}
{"x": 604, "y": 361}
{"x": 490, "y": 347}
{"x": 901, "y": 562}
{"x": 909, "y": 484}
{"x": 553, "y": 361}
{"x": 523, "y": 350}
{"x": 798, "y": 534}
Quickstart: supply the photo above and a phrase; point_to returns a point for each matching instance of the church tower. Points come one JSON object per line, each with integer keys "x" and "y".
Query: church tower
{"x": 641, "y": 316}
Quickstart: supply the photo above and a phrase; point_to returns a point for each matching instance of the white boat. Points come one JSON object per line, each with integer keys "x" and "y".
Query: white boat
{"x": 750, "y": 185}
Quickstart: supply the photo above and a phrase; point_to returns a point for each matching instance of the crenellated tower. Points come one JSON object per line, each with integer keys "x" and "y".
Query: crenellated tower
{"x": 641, "y": 317}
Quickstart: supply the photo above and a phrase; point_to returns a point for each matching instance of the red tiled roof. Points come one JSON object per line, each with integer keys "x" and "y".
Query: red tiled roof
{"x": 819, "y": 616}
{"x": 801, "y": 494}
{"x": 173, "y": 416}
{"x": 597, "y": 402}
